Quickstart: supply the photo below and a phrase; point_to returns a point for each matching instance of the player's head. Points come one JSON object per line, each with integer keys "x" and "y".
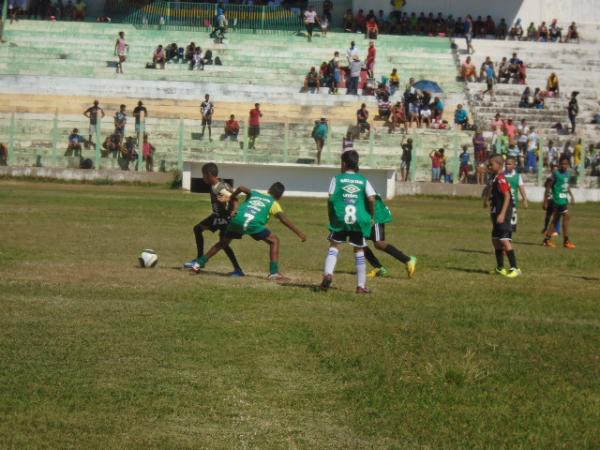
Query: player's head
{"x": 96, "y": 102}
{"x": 123, "y": 107}
{"x": 510, "y": 163}
{"x": 276, "y": 190}
{"x": 564, "y": 164}
{"x": 496, "y": 164}
{"x": 350, "y": 161}
{"x": 210, "y": 173}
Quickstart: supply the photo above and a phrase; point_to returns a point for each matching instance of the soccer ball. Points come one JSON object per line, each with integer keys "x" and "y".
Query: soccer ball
{"x": 222, "y": 190}
{"x": 148, "y": 259}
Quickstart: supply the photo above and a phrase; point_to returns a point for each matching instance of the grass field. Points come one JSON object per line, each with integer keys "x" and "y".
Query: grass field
{"x": 97, "y": 353}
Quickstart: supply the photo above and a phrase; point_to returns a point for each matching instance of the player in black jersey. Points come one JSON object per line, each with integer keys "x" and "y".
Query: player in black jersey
{"x": 498, "y": 193}
{"x": 222, "y": 206}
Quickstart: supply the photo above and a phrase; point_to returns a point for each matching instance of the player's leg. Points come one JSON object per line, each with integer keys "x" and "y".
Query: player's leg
{"x": 335, "y": 239}
{"x": 237, "y": 270}
{"x": 499, "y": 252}
{"x": 409, "y": 261}
{"x": 552, "y": 228}
{"x": 273, "y": 241}
{"x": 210, "y": 130}
{"x": 566, "y": 218}
{"x": 378, "y": 269}
{"x": 203, "y": 260}
{"x": 203, "y": 128}
{"x": 361, "y": 267}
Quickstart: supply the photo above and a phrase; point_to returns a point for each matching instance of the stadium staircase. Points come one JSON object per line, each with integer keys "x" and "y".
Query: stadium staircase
{"x": 54, "y": 70}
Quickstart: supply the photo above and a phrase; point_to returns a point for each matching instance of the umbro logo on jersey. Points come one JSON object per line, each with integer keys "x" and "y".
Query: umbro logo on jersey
{"x": 257, "y": 203}
{"x": 351, "y": 189}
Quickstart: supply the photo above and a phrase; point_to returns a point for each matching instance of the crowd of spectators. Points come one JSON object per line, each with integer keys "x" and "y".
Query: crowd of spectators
{"x": 193, "y": 55}
{"x": 47, "y": 9}
{"x": 507, "y": 70}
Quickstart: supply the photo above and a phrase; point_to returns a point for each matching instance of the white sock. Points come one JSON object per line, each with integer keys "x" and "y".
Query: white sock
{"x": 331, "y": 260}
{"x": 361, "y": 268}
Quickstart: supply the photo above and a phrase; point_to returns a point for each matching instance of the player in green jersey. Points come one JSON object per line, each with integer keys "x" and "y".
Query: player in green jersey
{"x": 251, "y": 218}
{"x": 351, "y": 207}
{"x": 516, "y": 187}
{"x": 383, "y": 215}
{"x": 558, "y": 188}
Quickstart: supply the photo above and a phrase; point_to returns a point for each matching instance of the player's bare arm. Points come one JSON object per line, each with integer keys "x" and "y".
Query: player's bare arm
{"x": 288, "y": 223}
{"x": 524, "y": 196}
{"x": 240, "y": 190}
{"x": 571, "y": 195}
{"x": 505, "y": 204}
{"x": 486, "y": 195}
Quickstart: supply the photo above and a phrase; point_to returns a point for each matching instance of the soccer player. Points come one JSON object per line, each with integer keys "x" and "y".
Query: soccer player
{"x": 217, "y": 221}
{"x": 207, "y": 109}
{"x": 517, "y": 187}
{"x": 498, "y": 192}
{"x": 351, "y": 208}
{"x": 251, "y": 218}
{"x": 550, "y": 204}
{"x": 383, "y": 215}
{"x": 558, "y": 186}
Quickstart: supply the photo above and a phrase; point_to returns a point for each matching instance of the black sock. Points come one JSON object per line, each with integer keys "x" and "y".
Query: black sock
{"x": 512, "y": 258}
{"x": 499, "y": 259}
{"x": 229, "y": 252}
{"x": 393, "y": 251}
{"x": 372, "y": 258}
{"x": 566, "y": 238}
{"x": 199, "y": 241}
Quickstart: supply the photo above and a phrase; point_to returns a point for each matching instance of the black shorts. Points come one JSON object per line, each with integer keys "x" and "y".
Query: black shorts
{"x": 355, "y": 238}
{"x": 207, "y": 121}
{"x": 260, "y": 236}
{"x": 490, "y": 83}
{"x": 215, "y": 223}
{"x": 253, "y": 130}
{"x": 377, "y": 232}
{"x": 310, "y": 27}
{"x": 501, "y": 231}
{"x": 560, "y": 209}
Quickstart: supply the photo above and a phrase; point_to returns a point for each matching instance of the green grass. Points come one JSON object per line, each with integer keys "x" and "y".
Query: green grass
{"x": 97, "y": 353}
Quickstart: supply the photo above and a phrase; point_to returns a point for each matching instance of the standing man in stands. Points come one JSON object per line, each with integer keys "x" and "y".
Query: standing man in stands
{"x": 207, "y": 109}
{"x": 573, "y": 110}
{"x": 141, "y": 114}
{"x": 254, "y": 125}
{"x": 310, "y": 19}
{"x": 92, "y": 114}
{"x": 121, "y": 121}
{"x": 121, "y": 49}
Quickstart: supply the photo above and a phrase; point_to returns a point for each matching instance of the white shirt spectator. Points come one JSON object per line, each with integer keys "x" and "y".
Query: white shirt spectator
{"x": 355, "y": 68}
{"x": 310, "y": 16}
{"x": 532, "y": 141}
{"x": 552, "y": 153}
{"x": 426, "y": 113}
{"x": 351, "y": 52}
{"x": 523, "y": 132}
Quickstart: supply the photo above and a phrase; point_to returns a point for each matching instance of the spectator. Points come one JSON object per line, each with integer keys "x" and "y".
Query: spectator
{"x": 425, "y": 115}
{"x": 502, "y": 29}
{"x": 483, "y": 68}
{"x": 572, "y": 33}
{"x": 232, "y": 129}
{"x": 121, "y": 121}
{"x": 319, "y": 134}
{"x": 516, "y": 31}
{"x": 74, "y": 145}
{"x": 511, "y": 130}
{"x": 254, "y": 125}
{"x": 371, "y": 55}
{"x": 327, "y": 9}
{"x": 336, "y": 74}
{"x": 148, "y": 154}
{"x": 467, "y": 70}
{"x": 490, "y": 78}
{"x": 394, "y": 81}
{"x": 551, "y": 154}
{"x": 352, "y": 52}
{"x": 526, "y": 98}
{"x": 464, "y": 165}
{"x": 504, "y": 71}
{"x": 159, "y": 58}
{"x": 398, "y": 116}
{"x": 479, "y": 147}
{"x": 324, "y": 75}
{"x": 172, "y": 53}
{"x": 189, "y": 52}
{"x": 3, "y": 154}
{"x": 384, "y": 107}
{"x": 553, "y": 85}
{"x": 348, "y": 21}
{"x": 497, "y": 124}
{"x": 438, "y": 108}
{"x": 127, "y": 154}
{"x": 360, "y": 22}
{"x": 221, "y": 24}
{"x": 92, "y": 114}
{"x": 532, "y": 148}
{"x": 578, "y": 154}
{"x": 573, "y": 110}
{"x": 207, "y": 109}
{"x": 121, "y": 49}
{"x": 567, "y": 152}
{"x": 407, "y": 150}
{"x": 437, "y": 159}
{"x": 311, "y": 81}
{"x": 79, "y": 10}
{"x": 112, "y": 145}
{"x": 543, "y": 33}
{"x": 355, "y": 70}
{"x": 461, "y": 117}
{"x": 348, "y": 142}
{"x": 538, "y": 99}
{"x": 383, "y": 22}
{"x": 372, "y": 28}
{"x": 198, "y": 60}
{"x": 362, "y": 120}
{"x": 489, "y": 26}
{"x": 555, "y": 31}
{"x": 469, "y": 32}
{"x": 532, "y": 34}
{"x": 501, "y": 144}
{"x": 310, "y": 19}
{"x": 141, "y": 114}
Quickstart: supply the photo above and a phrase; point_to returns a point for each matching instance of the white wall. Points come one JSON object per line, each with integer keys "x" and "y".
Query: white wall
{"x": 581, "y": 11}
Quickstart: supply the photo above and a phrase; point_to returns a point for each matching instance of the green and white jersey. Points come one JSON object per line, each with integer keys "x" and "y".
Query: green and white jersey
{"x": 560, "y": 187}
{"x": 348, "y": 193}
{"x": 515, "y": 181}
{"x": 382, "y": 212}
{"x": 254, "y": 214}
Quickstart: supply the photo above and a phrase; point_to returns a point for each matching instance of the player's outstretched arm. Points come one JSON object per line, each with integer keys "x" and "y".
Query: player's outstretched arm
{"x": 288, "y": 223}
{"x": 240, "y": 190}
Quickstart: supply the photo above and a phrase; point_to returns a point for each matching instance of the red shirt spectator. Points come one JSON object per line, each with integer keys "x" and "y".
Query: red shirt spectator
{"x": 511, "y": 129}
{"x": 255, "y": 115}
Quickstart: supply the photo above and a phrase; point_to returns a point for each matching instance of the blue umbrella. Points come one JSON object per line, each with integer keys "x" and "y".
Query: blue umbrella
{"x": 428, "y": 85}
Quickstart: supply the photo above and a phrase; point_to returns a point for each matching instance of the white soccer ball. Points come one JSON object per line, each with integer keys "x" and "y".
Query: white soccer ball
{"x": 148, "y": 259}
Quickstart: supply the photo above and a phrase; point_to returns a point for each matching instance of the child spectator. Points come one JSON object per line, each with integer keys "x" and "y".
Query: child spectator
{"x": 464, "y": 165}
{"x": 311, "y": 81}
{"x": 232, "y": 129}
{"x": 437, "y": 159}
{"x": 553, "y": 85}
{"x": 362, "y": 120}
{"x": 159, "y": 58}
{"x": 372, "y": 28}
{"x": 197, "y": 60}
{"x": 148, "y": 154}
{"x": 75, "y": 143}
{"x": 398, "y": 117}
{"x": 394, "y": 81}
{"x": 467, "y": 70}
{"x": 461, "y": 117}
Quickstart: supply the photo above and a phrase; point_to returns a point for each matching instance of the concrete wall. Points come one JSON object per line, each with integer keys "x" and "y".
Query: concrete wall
{"x": 581, "y": 11}
{"x": 88, "y": 175}
{"x": 300, "y": 180}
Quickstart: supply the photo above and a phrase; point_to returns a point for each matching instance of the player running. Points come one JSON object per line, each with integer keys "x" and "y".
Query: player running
{"x": 351, "y": 207}
{"x": 515, "y": 180}
{"x": 222, "y": 207}
{"x": 251, "y": 218}
{"x": 383, "y": 215}
{"x": 498, "y": 192}
{"x": 558, "y": 187}
{"x": 550, "y": 204}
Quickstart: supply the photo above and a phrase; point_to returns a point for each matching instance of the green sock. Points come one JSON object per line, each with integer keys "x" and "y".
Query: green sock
{"x": 274, "y": 267}
{"x": 202, "y": 260}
